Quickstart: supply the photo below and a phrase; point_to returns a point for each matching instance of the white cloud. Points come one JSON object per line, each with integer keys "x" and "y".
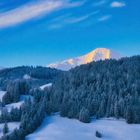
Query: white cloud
{"x": 33, "y": 10}
{"x": 104, "y": 18}
{"x": 117, "y": 4}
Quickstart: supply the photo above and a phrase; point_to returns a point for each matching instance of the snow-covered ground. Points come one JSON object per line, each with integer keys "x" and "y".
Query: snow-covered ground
{"x": 26, "y": 77}
{"x": 11, "y": 126}
{"x": 58, "y": 128}
{"x": 2, "y": 93}
{"x": 14, "y": 105}
{"x": 18, "y": 104}
{"x": 45, "y": 86}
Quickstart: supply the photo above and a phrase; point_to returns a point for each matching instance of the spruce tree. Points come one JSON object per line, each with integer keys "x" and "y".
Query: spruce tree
{"x": 84, "y": 115}
{"x": 5, "y": 128}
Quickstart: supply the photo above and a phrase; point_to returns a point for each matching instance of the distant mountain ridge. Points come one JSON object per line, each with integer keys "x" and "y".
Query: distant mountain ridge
{"x": 95, "y": 55}
{"x": 1, "y": 68}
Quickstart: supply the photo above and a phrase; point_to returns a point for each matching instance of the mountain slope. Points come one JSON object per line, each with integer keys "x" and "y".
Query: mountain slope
{"x": 95, "y": 55}
{"x": 1, "y": 68}
{"x": 54, "y": 128}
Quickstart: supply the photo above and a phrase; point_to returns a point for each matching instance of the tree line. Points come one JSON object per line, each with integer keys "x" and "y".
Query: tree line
{"x": 107, "y": 88}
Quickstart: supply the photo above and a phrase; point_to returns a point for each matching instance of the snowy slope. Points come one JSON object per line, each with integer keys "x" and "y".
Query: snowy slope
{"x": 11, "y": 126}
{"x": 58, "y": 128}
{"x": 26, "y": 77}
{"x": 2, "y": 93}
{"x": 45, "y": 86}
{"x": 14, "y": 105}
{"x": 95, "y": 55}
{"x": 18, "y": 104}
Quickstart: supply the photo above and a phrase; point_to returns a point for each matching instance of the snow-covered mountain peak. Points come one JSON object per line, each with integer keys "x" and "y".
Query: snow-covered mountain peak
{"x": 95, "y": 55}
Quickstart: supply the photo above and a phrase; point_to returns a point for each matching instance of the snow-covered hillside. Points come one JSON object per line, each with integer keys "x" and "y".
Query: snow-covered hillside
{"x": 95, "y": 55}
{"x": 45, "y": 86}
{"x": 11, "y": 126}
{"x": 2, "y": 93}
{"x": 18, "y": 104}
{"x": 14, "y": 105}
{"x": 58, "y": 128}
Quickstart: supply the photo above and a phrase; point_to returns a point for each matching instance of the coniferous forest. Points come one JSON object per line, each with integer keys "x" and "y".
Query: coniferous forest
{"x": 109, "y": 88}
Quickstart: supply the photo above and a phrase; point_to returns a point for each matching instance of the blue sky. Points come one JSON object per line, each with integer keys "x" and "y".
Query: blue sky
{"x": 39, "y": 32}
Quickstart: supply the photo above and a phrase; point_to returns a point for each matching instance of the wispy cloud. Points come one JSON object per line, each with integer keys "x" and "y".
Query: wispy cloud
{"x": 117, "y": 4}
{"x": 74, "y": 4}
{"x": 99, "y": 3}
{"x": 80, "y": 19}
{"x": 61, "y": 21}
{"x": 33, "y": 10}
{"x": 55, "y": 26}
{"x": 104, "y": 18}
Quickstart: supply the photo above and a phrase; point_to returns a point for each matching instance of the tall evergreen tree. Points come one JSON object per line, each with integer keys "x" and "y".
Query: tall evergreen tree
{"x": 84, "y": 115}
{"x": 5, "y": 128}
